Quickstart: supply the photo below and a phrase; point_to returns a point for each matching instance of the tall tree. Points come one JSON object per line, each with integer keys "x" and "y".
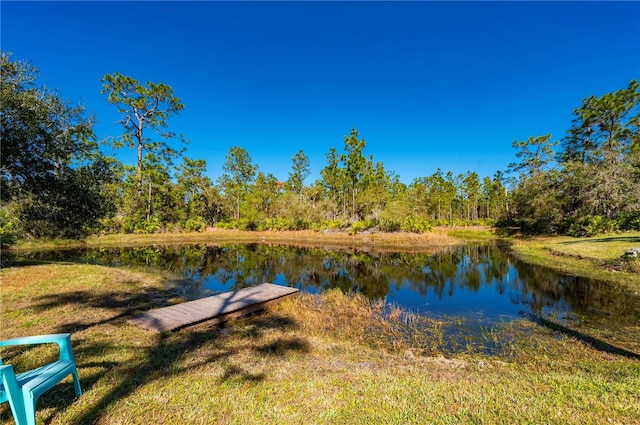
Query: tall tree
{"x": 299, "y": 172}
{"x": 200, "y": 200}
{"x": 601, "y": 155}
{"x": 471, "y": 189}
{"x": 332, "y": 179}
{"x": 436, "y": 190}
{"x": 377, "y": 189}
{"x": 604, "y": 128}
{"x": 239, "y": 172}
{"x": 144, "y": 107}
{"x": 264, "y": 194}
{"x": 355, "y": 166}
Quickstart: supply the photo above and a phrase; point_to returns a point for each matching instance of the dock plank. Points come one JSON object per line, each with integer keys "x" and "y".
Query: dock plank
{"x": 214, "y": 309}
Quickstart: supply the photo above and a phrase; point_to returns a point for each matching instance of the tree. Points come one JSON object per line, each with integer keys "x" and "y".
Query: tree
{"x": 471, "y": 189}
{"x": 355, "y": 166}
{"x": 604, "y": 128}
{"x": 495, "y": 196}
{"x": 52, "y": 172}
{"x": 332, "y": 179}
{"x": 377, "y": 189}
{"x": 143, "y": 107}
{"x": 536, "y": 153}
{"x": 299, "y": 172}
{"x": 200, "y": 201}
{"x": 450, "y": 192}
{"x": 435, "y": 185}
{"x": 601, "y": 155}
{"x": 264, "y": 194}
{"x": 238, "y": 174}
{"x": 535, "y": 205}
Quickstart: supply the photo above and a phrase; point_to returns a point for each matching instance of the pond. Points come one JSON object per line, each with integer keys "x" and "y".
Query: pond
{"x": 481, "y": 282}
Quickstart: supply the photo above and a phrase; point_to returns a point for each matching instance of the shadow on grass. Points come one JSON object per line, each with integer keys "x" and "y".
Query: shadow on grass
{"x": 123, "y": 304}
{"x": 595, "y": 343}
{"x": 164, "y": 358}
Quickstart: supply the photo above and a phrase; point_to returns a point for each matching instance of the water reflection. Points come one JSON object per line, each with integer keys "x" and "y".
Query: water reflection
{"x": 479, "y": 281}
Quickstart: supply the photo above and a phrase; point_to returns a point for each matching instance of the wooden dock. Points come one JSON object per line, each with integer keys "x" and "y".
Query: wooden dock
{"x": 213, "y": 310}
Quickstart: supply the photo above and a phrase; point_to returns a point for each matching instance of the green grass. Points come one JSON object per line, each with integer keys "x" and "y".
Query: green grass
{"x": 329, "y": 359}
{"x": 598, "y": 257}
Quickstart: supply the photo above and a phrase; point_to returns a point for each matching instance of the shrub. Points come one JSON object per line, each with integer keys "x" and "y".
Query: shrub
{"x": 327, "y": 225}
{"x": 415, "y": 225}
{"x": 361, "y": 225}
{"x": 591, "y": 225}
{"x": 8, "y": 238}
{"x": 389, "y": 225}
{"x": 246, "y": 224}
{"x": 151, "y": 225}
{"x": 630, "y": 222}
{"x": 194, "y": 225}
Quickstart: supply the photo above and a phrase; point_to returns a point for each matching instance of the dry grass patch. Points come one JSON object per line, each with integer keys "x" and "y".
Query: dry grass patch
{"x": 400, "y": 241}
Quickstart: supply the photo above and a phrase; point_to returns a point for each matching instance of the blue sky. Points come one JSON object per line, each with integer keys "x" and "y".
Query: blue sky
{"x": 426, "y": 84}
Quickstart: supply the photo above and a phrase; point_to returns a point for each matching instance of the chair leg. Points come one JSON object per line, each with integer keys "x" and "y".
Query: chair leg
{"x": 30, "y": 410}
{"x": 14, "y": 395}
{"x": 76, "y": 383}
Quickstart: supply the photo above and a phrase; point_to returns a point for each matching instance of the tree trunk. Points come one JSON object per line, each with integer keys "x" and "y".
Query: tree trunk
{"x": 149, "y": 204}
{"x": 140, "y": 146}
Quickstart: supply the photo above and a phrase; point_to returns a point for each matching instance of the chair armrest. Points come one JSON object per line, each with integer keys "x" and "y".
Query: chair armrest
{"x": 63, "y": 341}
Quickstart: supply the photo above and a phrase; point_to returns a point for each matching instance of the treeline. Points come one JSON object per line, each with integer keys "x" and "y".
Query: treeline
{"x": 588, "y": 182}
{"x": 57, "y": 182}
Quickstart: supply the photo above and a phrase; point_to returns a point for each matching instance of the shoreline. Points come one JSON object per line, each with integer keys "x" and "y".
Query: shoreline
{"x": 365, "y": 241}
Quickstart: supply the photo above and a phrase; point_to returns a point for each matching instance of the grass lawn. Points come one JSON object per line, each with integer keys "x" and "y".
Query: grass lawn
{"x": 329, "y": 359}
{"x": 598, "y": 257}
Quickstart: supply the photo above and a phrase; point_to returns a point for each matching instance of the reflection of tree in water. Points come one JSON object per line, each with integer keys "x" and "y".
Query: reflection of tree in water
{"x": 584, "y": 297}
{"x": 470, "y": 268}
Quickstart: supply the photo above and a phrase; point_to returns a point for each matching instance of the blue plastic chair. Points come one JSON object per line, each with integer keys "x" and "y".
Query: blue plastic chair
{"x": 23, "y": 389}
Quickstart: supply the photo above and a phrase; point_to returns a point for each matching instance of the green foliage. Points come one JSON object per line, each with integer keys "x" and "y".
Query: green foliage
{"x": 241, "y": 224}
{"x": 194, "y": 225}
{"x": 299, "y": 172}
{"x": 151, "y": 225}
{"x": 133, "y": 224}
{"x": 535, "y": 154}
{"x": 51, "y": 166}
{"x": 283, "y": 224}
{"x": 146, "y": 109}
{"x": 389, "y": 225}
{"x": 239, "y": 173}
{"x": 62, "y": 186}
{"x": 591, "y": 225}
{"x": 362, "y": 225}
{"x": 596, "y": 188}
{"x": 415, "y": 225}
{"x": 327, "y": 225}
{"x": 8, "y": 238}
{"x": 630, "y": 221}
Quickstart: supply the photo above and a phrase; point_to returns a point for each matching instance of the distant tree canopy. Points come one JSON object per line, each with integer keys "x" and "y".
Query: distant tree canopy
{"x": 57, "y": 183}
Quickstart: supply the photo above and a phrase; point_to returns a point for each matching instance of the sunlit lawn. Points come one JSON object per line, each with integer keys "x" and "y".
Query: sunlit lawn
{"x": 599, "y": 257}
{"x": 331, "y": 359}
